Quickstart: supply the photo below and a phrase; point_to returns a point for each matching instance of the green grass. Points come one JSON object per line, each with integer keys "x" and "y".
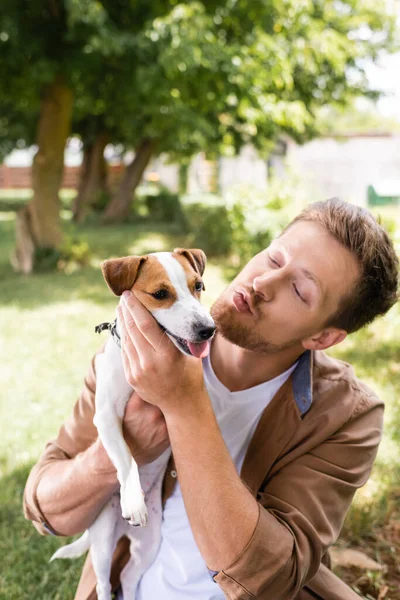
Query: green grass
{"x": 47, "y": 337}
{"x": 375, "y": 355}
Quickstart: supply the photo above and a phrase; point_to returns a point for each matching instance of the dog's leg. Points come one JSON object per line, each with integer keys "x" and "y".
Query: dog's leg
{"x": 144, "y": 543}
{"x": 102, "y": 546}
{"x": 112, "y": 394}
{"x": 144, "y": 546}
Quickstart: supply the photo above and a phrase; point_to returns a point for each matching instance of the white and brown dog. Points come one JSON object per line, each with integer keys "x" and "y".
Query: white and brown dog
{"x": 169, "y": 285}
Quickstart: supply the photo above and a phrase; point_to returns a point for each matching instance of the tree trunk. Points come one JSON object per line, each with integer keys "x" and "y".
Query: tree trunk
{"x": 93, "y": 177}
{"x": 120, "y": 205}
{"x": 38, "y": 223}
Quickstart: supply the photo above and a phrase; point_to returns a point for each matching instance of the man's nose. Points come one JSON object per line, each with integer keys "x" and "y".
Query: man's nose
{"x": 266, "y": 285}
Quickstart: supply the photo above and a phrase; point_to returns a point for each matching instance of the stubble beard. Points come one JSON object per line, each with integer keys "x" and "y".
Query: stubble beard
{"x": 244, "y": 336}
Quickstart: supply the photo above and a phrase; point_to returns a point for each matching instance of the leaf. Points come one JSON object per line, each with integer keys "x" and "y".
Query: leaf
{"x": 347, "y": 557}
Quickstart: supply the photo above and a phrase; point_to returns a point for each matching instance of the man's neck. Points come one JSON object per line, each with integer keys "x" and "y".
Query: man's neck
{"x": 240, "y": 369}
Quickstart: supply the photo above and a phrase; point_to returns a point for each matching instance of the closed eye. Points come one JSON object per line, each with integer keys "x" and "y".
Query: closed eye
{"x": 275, "y": 262}
{"x": 298, "y": 293}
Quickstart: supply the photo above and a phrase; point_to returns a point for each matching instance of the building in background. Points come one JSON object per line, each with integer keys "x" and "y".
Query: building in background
{"x": 324, "y": 167}
{"x": 347, "y": 166}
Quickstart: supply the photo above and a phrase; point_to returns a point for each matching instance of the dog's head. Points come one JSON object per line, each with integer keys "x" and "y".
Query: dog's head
{"x": 169, "y": 285}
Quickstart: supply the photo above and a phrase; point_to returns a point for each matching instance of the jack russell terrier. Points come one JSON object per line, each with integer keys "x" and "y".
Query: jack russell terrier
{"x": 169, "y": 285}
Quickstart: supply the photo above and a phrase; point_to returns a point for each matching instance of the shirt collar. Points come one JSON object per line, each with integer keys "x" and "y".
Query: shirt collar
{"x": 302, "y": 382}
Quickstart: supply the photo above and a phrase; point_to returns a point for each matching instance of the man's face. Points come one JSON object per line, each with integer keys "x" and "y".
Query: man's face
{"x": 286, "y": 293}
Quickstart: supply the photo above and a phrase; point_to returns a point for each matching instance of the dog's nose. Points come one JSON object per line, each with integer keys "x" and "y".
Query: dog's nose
{"x": 206, "y": 332}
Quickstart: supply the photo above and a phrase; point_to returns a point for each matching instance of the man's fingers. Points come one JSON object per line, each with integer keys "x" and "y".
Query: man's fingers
{"x": 128, "y": 351}
{"x": 144, "y": 322}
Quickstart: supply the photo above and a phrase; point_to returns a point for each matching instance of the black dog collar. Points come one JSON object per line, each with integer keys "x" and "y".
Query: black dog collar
{"x": 112, "y": 328}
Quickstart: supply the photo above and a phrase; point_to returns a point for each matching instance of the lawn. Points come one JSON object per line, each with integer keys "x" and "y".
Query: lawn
{"x": 47, "y": 336}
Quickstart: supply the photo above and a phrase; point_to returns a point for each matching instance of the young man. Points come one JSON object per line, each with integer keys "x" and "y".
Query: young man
{"x": 270, "y": 436}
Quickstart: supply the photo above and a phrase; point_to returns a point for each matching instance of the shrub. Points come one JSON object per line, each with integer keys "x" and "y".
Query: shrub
{"x": 208, "y": 224}
{"x": 256, "y": 216}
{"x": 164, "y": 206}
{"x": 72, "y": 255}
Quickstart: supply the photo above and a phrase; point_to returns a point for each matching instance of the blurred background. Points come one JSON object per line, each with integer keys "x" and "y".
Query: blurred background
{"x": 132, "y": 127}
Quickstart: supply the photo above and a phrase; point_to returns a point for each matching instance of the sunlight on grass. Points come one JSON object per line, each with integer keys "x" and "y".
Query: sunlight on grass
{"x": 374, "y": 353}
{"x": 47, "y": 330}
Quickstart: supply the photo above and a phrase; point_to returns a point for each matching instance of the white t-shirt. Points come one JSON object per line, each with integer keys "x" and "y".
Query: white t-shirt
{"x": 179, "y": 571}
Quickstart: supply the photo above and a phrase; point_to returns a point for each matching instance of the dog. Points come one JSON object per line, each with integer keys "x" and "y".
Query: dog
{"x": 169, "y": 284}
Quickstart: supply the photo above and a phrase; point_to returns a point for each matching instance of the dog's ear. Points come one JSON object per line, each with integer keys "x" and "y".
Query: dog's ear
{"x": 121, "y": 273}
{"x": 195, "y": 256}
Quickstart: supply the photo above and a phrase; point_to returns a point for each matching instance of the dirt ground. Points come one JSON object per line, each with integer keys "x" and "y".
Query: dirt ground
{"x": 383, "y": 547}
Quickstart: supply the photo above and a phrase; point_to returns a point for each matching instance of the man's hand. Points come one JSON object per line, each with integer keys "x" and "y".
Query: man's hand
{"x": 156, "y": 370}
{"x": 216, "y": 499}
{"x": 145, "y": 430}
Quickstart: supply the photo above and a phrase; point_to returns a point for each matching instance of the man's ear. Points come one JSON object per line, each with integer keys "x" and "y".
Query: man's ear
{"x": 195, "y": 256}
{"x": 324, "y": 339}
{"x": 121, "y": 273}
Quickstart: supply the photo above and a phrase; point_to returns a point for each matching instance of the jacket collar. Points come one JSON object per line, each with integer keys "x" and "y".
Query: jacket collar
{"x": 302, "y": 382}
{"x": 277, "y": 425}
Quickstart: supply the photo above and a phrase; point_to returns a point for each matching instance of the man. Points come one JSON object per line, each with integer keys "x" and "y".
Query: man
{"x": 270, "y": 437}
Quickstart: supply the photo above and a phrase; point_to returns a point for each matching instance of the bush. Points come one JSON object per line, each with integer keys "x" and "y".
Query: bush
{"x": 74, "y": 254}
{"x": 164, "y": 206}
{"x": 68, "y": 258}
{"x": 242, "y": 224}
{"x": 208, "y": 223}
{"x": 101, "y": 201}
{"x": 257, "y": 217}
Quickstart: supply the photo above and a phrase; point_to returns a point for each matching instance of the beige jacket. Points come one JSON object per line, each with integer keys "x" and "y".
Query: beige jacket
{"x": 313, "y": 447}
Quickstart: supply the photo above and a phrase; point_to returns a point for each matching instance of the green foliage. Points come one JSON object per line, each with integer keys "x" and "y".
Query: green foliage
{"x": 191, "y": 76}
{"x": 256, "y": 217}
{"x": 72, "y": 255}
{"x": 245, "y": 222}
{"x": 46, "y": 258}
{"x": 183, "y": 178}
{"x": 43, "y": 376}
{"x": 389, "y": 223}
{"x": 101, "y": 200}
{"x": 165, "y": 206}
{"x": 373, "y": 353}
{"x": 208, "y": 223}
{"x": 371, "y": 511}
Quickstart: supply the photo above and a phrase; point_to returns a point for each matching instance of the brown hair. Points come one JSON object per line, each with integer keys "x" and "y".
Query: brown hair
{"x": 357, "y": 230}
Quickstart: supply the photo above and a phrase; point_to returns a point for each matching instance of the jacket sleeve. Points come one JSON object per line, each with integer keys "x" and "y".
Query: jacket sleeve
{"x": 75, "y": 436}
{"x": 302, "y": 509}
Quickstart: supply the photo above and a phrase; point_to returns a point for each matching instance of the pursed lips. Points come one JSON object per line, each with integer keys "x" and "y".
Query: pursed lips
{"x": 242, "y": 301}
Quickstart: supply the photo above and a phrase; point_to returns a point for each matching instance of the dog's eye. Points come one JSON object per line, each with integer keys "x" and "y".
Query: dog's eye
{"x": 160, "y": 294}
{"x": 199, "y": 286}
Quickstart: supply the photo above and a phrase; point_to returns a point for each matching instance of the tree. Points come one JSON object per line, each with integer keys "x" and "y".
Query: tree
{"x": 50, "y": 49}
{"x": 93, "y": 182}
{"x": 162, "y": 77}
{"x": 102, "y": 93}
{"x": 216, "y": 76}
{"x": 38, "y": 223}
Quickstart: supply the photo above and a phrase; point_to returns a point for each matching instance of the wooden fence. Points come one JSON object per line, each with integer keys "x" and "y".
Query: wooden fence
{"x": 20, "y": 177}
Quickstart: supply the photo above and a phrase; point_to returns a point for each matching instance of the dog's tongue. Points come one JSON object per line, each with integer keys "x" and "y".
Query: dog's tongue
{"x": 199, "y": 350}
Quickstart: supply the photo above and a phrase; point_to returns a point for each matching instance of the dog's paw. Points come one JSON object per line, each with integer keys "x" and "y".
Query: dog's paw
{"x": 133, "y": 506}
